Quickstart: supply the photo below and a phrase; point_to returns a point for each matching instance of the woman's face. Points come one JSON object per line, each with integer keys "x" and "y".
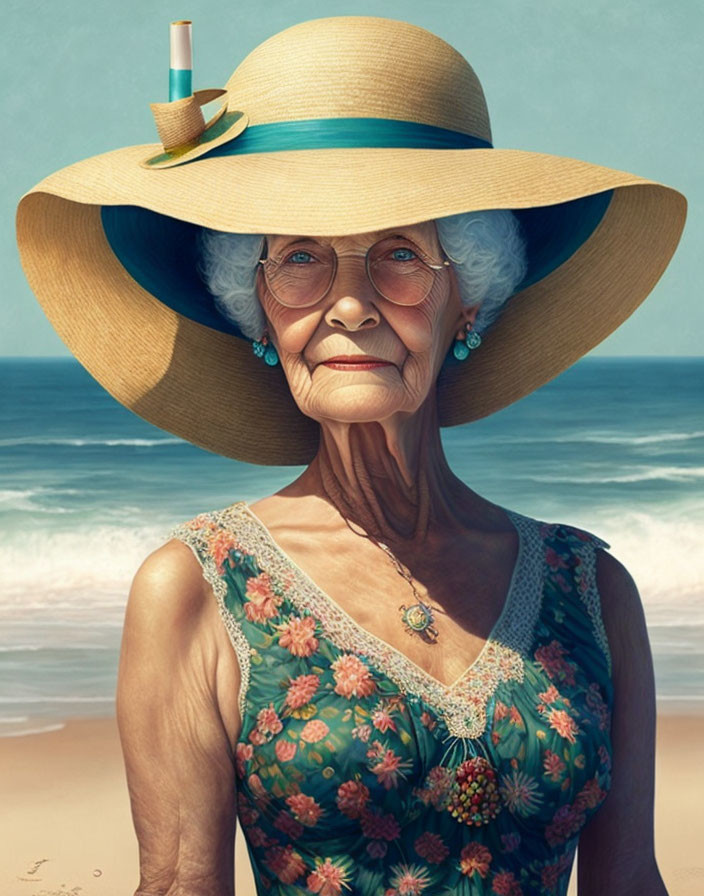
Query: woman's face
{"x": 353, "y": 320}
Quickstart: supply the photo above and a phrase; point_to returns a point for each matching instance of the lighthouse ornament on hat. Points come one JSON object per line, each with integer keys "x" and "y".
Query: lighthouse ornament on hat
{"x": 181, "y": 67}
{"x": 182, "y": 129}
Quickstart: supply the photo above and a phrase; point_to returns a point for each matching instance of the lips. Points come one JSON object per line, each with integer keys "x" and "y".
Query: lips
{"x": 356, "y": 359}
{"x": 356, "y": 362}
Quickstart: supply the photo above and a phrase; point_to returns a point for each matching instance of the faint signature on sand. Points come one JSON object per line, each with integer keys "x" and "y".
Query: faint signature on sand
{"x": 74, "y": 891}
{"x": 63, "y": 891}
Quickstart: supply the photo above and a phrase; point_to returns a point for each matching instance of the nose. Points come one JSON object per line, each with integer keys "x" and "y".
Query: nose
{"x": 351, "y": 301}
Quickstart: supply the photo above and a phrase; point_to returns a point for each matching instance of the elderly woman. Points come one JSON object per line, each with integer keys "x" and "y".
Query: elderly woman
{"x": 396, "y": 685}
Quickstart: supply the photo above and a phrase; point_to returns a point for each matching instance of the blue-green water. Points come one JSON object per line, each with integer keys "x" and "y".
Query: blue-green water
{"x": 87, "y": 490}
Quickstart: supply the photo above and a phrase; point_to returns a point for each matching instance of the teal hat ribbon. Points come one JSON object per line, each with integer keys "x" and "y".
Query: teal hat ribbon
{"x": 342, "y": 133}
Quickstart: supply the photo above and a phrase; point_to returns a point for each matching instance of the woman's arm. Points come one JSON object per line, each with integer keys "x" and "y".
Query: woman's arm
{"x": 616, "y": 855}
{"x": 178, "y": 756}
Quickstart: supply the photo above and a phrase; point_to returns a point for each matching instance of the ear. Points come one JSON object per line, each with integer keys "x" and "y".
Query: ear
{"x": 259, "y": 281}
{"x": 466, "y": 315}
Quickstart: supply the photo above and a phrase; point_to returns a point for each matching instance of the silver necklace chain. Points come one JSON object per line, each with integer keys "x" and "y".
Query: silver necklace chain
{"x": 418, "y": 619}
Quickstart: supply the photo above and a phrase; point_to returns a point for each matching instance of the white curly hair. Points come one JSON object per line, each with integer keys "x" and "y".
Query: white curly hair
{"x": 486, "y": 249}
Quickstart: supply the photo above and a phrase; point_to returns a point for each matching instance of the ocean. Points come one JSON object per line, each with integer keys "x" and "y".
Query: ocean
{"x": 87, "y": 490}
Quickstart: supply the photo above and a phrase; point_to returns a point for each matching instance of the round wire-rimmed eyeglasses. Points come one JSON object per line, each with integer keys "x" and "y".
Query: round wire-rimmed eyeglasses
{"x": 303, "y": 274}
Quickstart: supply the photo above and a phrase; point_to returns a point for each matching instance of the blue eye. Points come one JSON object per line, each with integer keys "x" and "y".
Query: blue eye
{"x": 300, "y": 257}
{"x": 403, "y": 254}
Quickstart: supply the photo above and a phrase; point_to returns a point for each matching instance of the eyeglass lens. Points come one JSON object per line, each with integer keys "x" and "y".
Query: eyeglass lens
{"x": 303, "y": 273}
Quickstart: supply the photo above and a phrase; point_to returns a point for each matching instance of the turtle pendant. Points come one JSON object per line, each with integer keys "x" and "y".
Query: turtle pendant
{"x": 419, "y": 619}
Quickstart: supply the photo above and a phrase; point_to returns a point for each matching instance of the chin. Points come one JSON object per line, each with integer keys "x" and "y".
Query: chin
{"x": 358, "y": 403}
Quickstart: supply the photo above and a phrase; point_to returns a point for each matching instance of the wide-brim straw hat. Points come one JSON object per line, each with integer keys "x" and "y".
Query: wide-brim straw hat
{"x": 346, "y": 125}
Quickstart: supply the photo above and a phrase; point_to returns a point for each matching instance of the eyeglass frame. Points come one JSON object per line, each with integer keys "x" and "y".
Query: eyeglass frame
{"x": 422, "y": 254}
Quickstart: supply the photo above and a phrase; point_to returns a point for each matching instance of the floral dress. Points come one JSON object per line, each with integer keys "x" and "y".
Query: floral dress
{"x": 359, "y": 773}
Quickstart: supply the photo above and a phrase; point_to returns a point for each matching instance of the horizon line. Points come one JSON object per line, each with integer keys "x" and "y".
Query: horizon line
{"x": 586, "y": 357}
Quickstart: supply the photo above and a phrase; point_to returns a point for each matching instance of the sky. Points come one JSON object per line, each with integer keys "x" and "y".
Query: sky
{"x": 614, "y": 82}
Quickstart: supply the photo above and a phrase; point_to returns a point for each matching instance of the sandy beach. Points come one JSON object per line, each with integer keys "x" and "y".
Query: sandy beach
{"x": 66, "y": 826}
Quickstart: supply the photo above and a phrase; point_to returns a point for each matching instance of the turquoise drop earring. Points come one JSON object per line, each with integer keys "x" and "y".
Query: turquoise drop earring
{"x": 471, "y": 340}
{"x": 265, "y": 349}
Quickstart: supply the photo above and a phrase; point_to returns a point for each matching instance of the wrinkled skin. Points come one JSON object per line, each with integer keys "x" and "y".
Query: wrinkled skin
{"x": 380, "y": 460}
{"x": 354, "y": 319}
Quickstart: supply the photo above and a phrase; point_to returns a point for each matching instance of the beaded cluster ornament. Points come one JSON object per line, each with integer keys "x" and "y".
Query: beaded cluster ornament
{"x": 475, "y": 798}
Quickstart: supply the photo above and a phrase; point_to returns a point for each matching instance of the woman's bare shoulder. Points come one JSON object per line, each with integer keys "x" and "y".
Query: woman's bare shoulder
{"x": 174, "y": 558}
{"x": 621, "y": 609}
{"x": 169, "y": 583}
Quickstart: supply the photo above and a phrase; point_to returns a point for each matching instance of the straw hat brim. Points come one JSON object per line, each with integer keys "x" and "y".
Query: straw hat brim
{"x": 205, "y": 385}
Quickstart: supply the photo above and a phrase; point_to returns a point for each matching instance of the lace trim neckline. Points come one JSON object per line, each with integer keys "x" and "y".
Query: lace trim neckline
{"x": 463, "y": 703}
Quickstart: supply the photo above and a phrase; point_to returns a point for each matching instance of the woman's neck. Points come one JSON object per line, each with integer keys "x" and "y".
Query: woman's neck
{"x": 390, "y": 478}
